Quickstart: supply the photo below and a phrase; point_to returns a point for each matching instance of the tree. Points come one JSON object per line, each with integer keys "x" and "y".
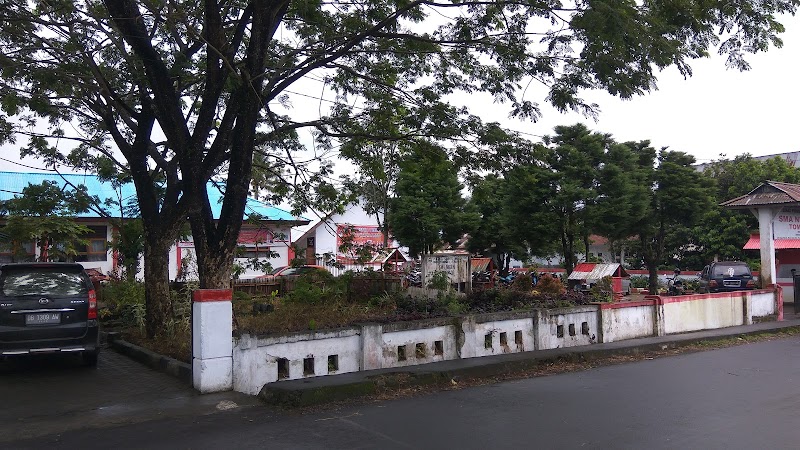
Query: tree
{"x": 678, "y": 197}
{"x": 428, "y": 209}
{"x": 45, "y": 214}
{"x": 528, "y": 187}
{"x": 574, "y": 158}
{"x": 175, "y": 93}
{"x": 622, "y": 191}
{"x": 377, "y": 167}
{"x": 493, "y": 234}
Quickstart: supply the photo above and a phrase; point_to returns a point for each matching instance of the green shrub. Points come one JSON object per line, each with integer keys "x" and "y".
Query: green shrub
{"x": 639, "y": 281}
{"x": 316, "y": 288}
{"x": 522, "y": 282}
{"x": 123, "y": 304}
{"x": 439, "y": 280}
{"x": 549, "y": 284}
{"x": 602, "y": 290}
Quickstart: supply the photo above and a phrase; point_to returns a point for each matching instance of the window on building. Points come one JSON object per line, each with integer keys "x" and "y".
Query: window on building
{"x": 254, "y": 251}
{"x": 97, "y": 245}
{"x": 17, "y": 252}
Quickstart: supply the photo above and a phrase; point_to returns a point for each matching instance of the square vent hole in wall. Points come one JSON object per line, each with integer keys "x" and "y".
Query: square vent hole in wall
{"x": 487, "y": 341}
{"x": 420, "y": 351}
{"x": 283, "y": 368}
{"x": 559, "y": 330}
{"x": 333, "y": 363}
{"x": 438, "y": 347}
{"x": 572, "y": 329}
{"x": 585, "y": 328}
{"x": 401, "y": 352}
{"x": 308, "y": 366}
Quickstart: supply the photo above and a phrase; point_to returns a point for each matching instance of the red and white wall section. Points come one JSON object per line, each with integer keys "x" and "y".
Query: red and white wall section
{"x": 212, "y": 345}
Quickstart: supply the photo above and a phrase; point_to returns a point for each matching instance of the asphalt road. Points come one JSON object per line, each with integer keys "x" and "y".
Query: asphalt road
{"x": 740, "y": 397}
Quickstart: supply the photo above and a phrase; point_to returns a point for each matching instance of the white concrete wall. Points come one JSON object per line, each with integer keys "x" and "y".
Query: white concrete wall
{"x": 628, "y": 322}
{"x": 702, "y": 312}
{"x": 762, "y": 303}
{"x": 375, "y": 346}
{"x": 255, "y": 360}
{"x": 425, "y": 338}
{"x": 500, "y": 336}
{"x": 570, "y": 321}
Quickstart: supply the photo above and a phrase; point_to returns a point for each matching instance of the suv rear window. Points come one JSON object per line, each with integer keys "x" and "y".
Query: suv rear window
{"x": 47, "y": 282}
{"x": 737, "y": 270}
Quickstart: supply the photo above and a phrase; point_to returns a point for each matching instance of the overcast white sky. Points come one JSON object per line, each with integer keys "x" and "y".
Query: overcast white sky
{"x": 716, "y": 111}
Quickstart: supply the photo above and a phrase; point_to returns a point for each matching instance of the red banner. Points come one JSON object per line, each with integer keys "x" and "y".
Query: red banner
{"x": 358, "y": 236}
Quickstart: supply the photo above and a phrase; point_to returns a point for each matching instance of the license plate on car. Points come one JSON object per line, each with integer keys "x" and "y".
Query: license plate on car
{"x": 42, "y": 318}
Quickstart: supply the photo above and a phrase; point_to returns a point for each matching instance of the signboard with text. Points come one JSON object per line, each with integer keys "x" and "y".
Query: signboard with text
{"x": 786, "y": 224}
{"x": 359, "y": 239}
{"x": 457, "y": 267}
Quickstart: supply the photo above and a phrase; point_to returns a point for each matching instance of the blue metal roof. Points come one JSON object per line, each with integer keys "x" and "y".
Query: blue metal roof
{"x": 12, "y": 184}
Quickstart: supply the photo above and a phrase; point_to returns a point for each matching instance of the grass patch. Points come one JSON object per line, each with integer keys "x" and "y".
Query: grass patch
{"x": 177, "y": 346}
{"x": 287, "y": 317}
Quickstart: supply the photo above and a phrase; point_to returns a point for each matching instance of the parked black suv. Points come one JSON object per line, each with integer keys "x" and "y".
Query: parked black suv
{"x": 48, "y": 308}
{"x": 726, "y": 276}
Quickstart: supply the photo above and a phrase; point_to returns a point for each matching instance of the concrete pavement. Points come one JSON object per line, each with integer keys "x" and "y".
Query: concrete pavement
{"x": 52, "y": 394}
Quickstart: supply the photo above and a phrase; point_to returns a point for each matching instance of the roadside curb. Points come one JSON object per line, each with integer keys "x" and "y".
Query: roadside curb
{"x": 155, "y": 361}
{"x": 316, "y": 391}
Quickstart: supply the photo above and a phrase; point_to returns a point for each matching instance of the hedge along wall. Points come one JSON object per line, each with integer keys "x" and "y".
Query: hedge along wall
{"x": 261, "y": 360}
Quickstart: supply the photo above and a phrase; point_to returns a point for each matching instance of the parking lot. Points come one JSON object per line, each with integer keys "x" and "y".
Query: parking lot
{"x": 53, "y": 394}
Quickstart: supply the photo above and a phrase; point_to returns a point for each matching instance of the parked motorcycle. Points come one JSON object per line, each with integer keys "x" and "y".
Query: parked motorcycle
{"x": 675, "y": 286}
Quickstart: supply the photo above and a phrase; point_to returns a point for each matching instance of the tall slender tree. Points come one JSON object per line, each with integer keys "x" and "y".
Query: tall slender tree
{"x": 428, "y": 210}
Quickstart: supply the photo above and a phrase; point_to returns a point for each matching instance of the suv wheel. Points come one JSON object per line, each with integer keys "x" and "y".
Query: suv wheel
{"x": 90, "y": 358}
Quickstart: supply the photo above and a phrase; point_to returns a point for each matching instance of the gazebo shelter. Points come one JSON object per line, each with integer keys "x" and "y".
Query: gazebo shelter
{"x": 777, "y": 207}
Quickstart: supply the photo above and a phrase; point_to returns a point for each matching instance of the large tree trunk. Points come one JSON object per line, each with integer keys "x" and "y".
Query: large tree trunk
{"x": 214, "y": 267}
{"x": 156, "y": 283}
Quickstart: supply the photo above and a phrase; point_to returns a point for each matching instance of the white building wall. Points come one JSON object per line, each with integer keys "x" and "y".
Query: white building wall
{"x": 106, "y": 266}
{"x": 281, "y": 248}
{"x": 326, "y": 233}
{"x": 185, "y": 250}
